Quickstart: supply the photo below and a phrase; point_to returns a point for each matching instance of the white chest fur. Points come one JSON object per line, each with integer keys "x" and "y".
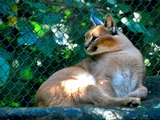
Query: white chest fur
{"x": 122, "y": 83}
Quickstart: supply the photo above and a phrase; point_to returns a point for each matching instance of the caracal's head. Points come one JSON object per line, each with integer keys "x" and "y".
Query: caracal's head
{"x": 102, "y": 37}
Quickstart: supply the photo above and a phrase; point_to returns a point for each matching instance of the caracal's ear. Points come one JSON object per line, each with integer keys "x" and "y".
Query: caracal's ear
{"x": 111, "y": 25}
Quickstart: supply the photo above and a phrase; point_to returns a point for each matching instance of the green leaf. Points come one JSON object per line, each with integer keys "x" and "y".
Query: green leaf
{"x": 134, "y": 26}
{"x": 2, "y": 26}
{"x": 38, "y": 28}
{"x": 78, "y": 3}
{"x": 124, "y": 8}
{"x": 5, "y": 54}
{"x": 68, "y": 2}
{"x": 152, "y": 37}
{"x": 84, "y": 24}
{"x": 112, "y": 1}
{"x": 14, "y": 104}
{"x": 9, "y": 2}
{"x": 56, "y": 8}
{"x": 27, "y": 39}
{"x": 4, "y": 8}
{"x": 146, "y": 18}
{"x": 24, "y": 26}
{"x": 4, "y": 71}
{"x": 67, "y": 52}
{"x": 40, "y": 6}
{"x": 40, "y": 80}
{"x": 30, "y": 3}
{"x": 80, "y": 51}
{"x": 28, "y": 74}
{"x": 3, "y": 104}
{"x": 12, "y": 90}
{"x": 51, "y": 19}
{"x": 46, "y": 46}
{"x": 67, "y": 12}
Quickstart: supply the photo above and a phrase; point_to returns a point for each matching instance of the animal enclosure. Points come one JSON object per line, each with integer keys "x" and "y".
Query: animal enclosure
{"x": 39, "y": 37}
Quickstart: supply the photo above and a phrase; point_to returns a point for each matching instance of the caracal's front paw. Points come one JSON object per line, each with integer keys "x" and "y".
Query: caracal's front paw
{"x": 134, "y": 102}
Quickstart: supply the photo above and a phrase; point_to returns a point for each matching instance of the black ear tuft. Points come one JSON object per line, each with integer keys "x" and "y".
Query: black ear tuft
{"x": 115, "y": 32}
{"x": 95, "y": 20}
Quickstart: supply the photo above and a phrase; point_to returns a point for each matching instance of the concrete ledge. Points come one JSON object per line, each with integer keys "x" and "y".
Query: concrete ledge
{"x": 82, "y": 113}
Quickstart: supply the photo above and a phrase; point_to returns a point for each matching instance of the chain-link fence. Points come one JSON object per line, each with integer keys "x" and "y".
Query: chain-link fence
{"x": 39, "y": 37}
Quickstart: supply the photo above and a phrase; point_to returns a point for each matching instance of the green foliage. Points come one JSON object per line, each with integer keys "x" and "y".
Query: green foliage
{"x": 4, "y": 71}
{"x": 41, "y": 37}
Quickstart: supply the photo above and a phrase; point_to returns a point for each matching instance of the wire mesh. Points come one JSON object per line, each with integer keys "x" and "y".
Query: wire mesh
{"x": 39, "y": 37}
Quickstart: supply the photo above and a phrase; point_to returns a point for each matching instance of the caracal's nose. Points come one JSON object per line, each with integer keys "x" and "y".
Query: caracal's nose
{"x": 86, "y": 46}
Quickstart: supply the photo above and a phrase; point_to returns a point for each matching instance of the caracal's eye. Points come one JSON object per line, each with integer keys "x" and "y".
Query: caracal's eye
{"x": 93, "y": 38}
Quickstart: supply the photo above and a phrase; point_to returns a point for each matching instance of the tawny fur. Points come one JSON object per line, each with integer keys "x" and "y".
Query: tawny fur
{"x": 113, "y": 76}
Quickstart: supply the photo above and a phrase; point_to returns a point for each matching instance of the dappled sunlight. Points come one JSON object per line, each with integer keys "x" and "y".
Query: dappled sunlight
{"x": 62, "y": 37}
{"x": 147, "y": 62}
{"x": 155, "y": 50}
{"x": 156, "y": 47}
{"x": 137, "y": 17}
{"x": 106, "y": 114}
{"x": 78, "y": 83}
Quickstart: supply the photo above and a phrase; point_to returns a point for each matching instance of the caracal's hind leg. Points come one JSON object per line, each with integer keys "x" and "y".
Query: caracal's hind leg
{"x": 96, "y": 96}
{"x": 140, "y": 92}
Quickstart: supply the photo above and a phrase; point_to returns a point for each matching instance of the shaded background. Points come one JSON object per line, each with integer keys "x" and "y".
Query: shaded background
{"x": 39, "y": 37}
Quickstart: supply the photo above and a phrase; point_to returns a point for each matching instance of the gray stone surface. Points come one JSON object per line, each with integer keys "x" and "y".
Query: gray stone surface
{"x": 149, "y": 109}
{"x": 81, "y": 113}
{"x": 153, "y": 85}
